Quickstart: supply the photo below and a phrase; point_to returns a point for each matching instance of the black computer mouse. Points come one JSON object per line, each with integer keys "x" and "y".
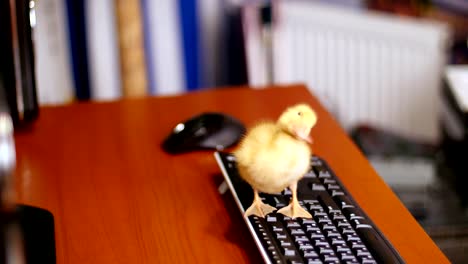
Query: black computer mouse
{"x": 204, "y": 131}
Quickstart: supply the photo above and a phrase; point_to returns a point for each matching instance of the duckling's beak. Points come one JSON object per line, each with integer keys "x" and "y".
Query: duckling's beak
{"x": 307, "y": 139}
{"x": 303, "y": 134}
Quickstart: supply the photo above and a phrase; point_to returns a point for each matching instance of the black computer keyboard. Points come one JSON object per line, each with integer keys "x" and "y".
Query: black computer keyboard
{"x": 339, "y": 232}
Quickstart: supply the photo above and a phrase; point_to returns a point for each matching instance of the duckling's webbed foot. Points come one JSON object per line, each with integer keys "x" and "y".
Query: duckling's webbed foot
{"x": 294, "y": 209}
{"x": 259, "y": 208}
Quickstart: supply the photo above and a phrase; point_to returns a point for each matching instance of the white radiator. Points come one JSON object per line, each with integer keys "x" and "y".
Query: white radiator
{"x": 365, "y": 67}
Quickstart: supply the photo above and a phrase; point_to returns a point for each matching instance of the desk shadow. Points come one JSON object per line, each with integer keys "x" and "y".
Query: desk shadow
{"x": 237, "y": 232}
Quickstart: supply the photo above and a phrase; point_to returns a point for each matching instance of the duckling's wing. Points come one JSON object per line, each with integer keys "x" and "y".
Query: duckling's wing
{"x": 256, "y": 140}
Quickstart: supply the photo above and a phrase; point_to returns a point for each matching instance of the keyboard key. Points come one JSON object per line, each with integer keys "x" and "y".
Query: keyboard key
{"x": 363, "y": 226}
{"x": 319, "y": 214}
{"x": 360, "y": 223}
{"x": 351, "y": 211}
{"x": 320, "y": 242}
{"x": 315, "y": 207}
{"x": 308, "y": 221}
{"x": 329, "y": 204}
{"x": 322, "y": 218}
{"x": 288, "y": 251}
{"x": 297, "y": 232}
{"x": 332, "y": 211}
{"x": 318, "y": 187}
{"x": 292, "y": 223}
{"x": 311, "y": 226}
{"x": 347, "y": 257}
{"x": 279, "y": 202}
{"x": 338, "y": 217}
{"x": 307, "y": 248}
{"x": 337, "y": 241}
{"x": 342, "y": 223}
{"x": 300, "y": 238}
{"x": 304, "y": 241}
{"x": 281, "y": 235}
{"x": 343, "y": 250}
{"x": 333, "y": 187}
{"x": 356, "y": 217}
{"x": 363, "y": 254}
{"x": 325, "y": 181}
{"x": 314, "y": 261}
{"x": 308, "y": 201}
{"x": 319, "y": 239}
{"x": 343, "y": 202}
{"x": 285, "y": 243}
{"x": 326, "y": 251}
{"x": 324, "y": 174}
{"x": 310, "y": 254}
{"x": 315, "y": 162}
{"x": 357, "y": 246}
{"x": 330, "y": 259}
{"x": 271, "y": 218}
{"x": 337, "y": 193}
{"x": 317, "y": 235}
{"x": 347, "y": 231}
{"x": 352, "y": 238}
{"x": 310, "y": 174}
{"x": 277, "y": 228}
{"x": 313, "y": 230}
{"x": 328, "y": 226}
{"x": 333, "y": 234}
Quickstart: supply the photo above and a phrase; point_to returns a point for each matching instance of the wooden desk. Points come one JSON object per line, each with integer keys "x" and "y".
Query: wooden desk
{"x": 118, "y": 198}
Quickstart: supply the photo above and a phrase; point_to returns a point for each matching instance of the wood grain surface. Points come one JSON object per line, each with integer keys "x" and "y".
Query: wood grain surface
{"x": 118, "y": 198}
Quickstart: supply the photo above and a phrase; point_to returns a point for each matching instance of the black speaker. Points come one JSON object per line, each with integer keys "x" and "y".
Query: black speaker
{"x": 17, "y": 73}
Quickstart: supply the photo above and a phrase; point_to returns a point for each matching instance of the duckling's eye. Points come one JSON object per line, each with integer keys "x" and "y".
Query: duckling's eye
{"x": 299, "y": 113}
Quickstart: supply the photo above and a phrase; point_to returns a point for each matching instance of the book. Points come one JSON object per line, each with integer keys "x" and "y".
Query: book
{"x": 103, "y": 50}
{"x": 190, "y": 40}
{"x": 54, "y": 77}
{"x": 131, "y": 48}
{"x": 78, "y": 48}
{"x": 163, "y": 47}
{"x": 211, "y": 25}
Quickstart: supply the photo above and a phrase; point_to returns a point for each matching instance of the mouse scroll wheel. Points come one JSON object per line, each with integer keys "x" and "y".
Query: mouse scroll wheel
{"x": 179, "y": 128}
{"x": 200, "y": 132}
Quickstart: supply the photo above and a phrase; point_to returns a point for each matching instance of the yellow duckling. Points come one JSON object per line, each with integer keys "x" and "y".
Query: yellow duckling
{"x": 273, "y": 156}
